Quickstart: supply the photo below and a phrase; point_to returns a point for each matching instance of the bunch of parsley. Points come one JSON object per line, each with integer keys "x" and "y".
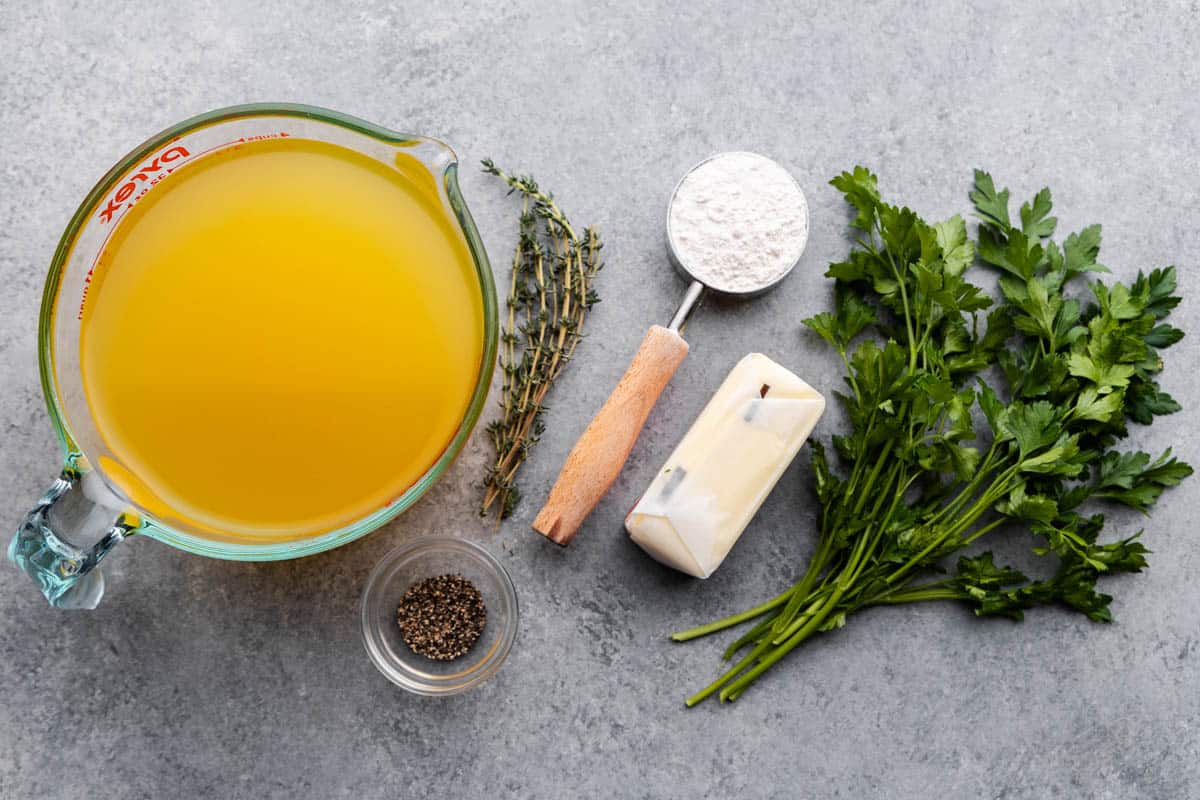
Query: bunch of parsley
{"x": 971, "y": 417}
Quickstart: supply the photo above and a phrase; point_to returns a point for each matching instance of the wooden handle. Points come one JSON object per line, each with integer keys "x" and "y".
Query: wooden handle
{"x": 596, "y": 460}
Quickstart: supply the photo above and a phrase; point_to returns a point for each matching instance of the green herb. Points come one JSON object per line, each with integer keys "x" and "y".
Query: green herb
{"x": 549, "y": 295}
{"x": 917, "y": 482}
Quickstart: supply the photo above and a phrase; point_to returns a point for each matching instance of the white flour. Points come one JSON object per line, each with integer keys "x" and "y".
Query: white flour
{"x": 738, "y": 222}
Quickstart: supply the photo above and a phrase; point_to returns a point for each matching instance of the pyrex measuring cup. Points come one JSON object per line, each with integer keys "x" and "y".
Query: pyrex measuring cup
{"x": 84, "y": 514}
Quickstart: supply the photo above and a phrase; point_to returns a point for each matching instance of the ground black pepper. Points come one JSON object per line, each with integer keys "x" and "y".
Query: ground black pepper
{"x": 442, "y": 617}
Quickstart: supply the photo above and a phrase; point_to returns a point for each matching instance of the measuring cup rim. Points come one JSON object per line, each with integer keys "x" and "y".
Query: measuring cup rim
{"x": 444, "y": 162}
{"x": 673, "y": 253}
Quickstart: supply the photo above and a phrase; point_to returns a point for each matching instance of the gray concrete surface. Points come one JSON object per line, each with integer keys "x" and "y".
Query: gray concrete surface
{"x": 202, "y": 679}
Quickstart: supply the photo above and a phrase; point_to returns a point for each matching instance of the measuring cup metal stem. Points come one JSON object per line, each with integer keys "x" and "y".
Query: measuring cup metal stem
{"x": 690, "y": 302}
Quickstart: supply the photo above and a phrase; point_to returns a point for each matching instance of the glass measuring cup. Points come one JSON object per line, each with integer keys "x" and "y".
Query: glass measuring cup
{"x": 83, "y": 515}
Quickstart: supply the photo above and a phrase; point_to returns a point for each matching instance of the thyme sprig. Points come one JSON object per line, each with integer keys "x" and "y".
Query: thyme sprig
{"x": 550, "y": 292}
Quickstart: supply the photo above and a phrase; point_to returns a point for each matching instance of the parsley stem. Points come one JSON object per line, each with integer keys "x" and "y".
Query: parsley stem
{"x": 879, "y": 462}
{"x": 746, "y": 638}
{"x": 800, "y": 591}
{"x": 920, "y": 593}
{"x": 994, "y": 492}
{"x": 781, "y": 650}
{"x": 986, "y": 529}
{"x": 965, "y": 495}
{"x": 735, "y": 619}
{"x": 729, "y": 674}
{"x": 908, "y": 318}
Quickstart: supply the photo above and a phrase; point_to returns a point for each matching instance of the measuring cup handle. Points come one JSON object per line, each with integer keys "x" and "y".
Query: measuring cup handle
{"x": 596, "y": 460}
{"x": 65, "y": 572}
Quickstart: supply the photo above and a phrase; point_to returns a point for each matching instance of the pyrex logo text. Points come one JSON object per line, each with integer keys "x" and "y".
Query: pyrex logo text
{"x": 126, "y": 190}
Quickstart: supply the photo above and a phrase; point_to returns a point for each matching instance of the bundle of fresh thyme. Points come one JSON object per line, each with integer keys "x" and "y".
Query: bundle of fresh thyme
{"x": 918, "y": 483}
{"x": 549, "y": 295}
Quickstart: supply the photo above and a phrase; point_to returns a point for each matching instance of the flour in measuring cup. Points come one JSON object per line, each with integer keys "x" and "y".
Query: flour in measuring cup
{"x": 738, "y": 222}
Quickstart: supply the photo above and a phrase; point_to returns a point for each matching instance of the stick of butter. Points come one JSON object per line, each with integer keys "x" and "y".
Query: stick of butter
{"x": 736, "y": 450}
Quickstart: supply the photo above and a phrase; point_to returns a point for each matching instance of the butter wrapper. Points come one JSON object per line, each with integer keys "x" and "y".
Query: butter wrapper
{"x": 721, "y": 472}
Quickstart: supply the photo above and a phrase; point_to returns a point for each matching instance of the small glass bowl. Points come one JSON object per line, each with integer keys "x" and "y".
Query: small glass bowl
{"x": 412, "y": 563}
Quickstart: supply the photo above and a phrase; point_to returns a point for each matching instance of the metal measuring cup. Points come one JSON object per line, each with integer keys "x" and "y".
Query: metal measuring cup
{"x": 601, "y": 451}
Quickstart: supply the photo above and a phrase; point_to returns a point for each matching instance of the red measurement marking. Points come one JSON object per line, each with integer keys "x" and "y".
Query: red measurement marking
{"x": 144, "y": 173}
{"x": 87, "y": 279}
{"x": 221, "y": 146}
{"x": 158, "y": 165}
{"x": 150, "y": 174}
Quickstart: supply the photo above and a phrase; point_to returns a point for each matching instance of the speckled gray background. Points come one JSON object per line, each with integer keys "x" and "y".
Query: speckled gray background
{"x": 202, "y": 679}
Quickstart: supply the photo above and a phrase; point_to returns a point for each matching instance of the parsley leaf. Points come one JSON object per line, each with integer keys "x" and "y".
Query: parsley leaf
{"x": 992, "y": 206}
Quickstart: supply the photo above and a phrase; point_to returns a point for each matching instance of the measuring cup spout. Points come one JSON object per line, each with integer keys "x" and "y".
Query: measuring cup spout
{"x": 434, "y": 154}
{"x": 44, "y": 545}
